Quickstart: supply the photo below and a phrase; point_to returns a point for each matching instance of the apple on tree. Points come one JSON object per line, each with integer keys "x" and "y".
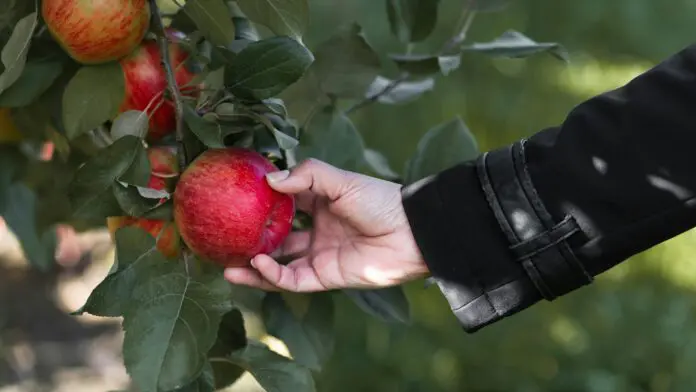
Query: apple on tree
{"x": 146, "y": 83}
{"x": 226, "y": 211}
{"x": 97, "y": 31}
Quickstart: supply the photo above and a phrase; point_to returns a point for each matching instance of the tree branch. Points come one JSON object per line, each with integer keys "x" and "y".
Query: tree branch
{"x": 173, "y": 88}
{"x": 163, "y": 42}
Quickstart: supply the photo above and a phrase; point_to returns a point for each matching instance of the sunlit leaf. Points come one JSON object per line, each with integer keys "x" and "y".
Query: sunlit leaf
{"x": 283, "y": 17}
{"x": 516, "y": 45}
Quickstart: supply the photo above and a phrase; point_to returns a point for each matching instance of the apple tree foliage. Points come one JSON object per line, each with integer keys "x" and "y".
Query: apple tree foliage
{"x": 183, "y": 323}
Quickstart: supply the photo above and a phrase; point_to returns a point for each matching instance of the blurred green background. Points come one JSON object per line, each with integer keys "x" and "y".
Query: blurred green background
{"x": 633, "y": 330}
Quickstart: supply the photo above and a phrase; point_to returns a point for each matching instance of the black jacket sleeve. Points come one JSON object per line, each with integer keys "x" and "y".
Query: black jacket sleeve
{"x": 542, "y": 217}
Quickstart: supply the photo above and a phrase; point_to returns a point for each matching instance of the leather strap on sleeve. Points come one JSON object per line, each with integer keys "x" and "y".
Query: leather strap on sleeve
{"x": 537, "y": 242}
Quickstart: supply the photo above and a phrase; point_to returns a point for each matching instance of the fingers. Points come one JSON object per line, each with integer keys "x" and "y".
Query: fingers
{"x": 312, "y": 175}
{"x": 298, "y": 276}
{"x": 248, "y": 277}
{"x": 297, "y": 242}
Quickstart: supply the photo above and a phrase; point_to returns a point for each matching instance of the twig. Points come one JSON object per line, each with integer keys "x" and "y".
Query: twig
{"x": 171, "y": 82}
{"x": 376, "y": 96}
{"x": 463, "y": 25}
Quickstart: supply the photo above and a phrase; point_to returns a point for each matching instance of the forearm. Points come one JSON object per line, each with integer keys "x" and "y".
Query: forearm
{"x": 542, "y": 217}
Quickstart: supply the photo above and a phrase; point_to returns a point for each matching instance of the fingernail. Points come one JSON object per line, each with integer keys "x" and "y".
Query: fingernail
{"x": 253, "y": 263}
{"x": 278, "y": 176}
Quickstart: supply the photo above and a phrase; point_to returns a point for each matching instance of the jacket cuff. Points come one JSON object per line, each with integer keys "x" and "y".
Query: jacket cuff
{"x": 489, "y": 242}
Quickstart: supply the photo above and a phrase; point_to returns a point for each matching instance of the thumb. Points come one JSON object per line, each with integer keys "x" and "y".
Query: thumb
{"x": 312, "y": 175}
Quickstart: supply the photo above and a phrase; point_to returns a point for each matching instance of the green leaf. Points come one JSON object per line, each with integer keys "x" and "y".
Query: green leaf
{"x": 204, "y": 383}
{"x": 92, "y": 97}
{"x": 275, "y": 105}
{"x": 19, "y": 212}
{"x": 488, "y": 5}
{"x": 412, "y": 20}
{"x": 163, "y": 212}
{"x": 441, "y": 148}
{"x": 285, "y": 141}
{"x": 514, "y": 44}
{"x": 283, "y": 17}
{"x": 399, "y": 92}
{"x": 245, "y": 30}
{"x": 36, "y": 78}
{"x": 331, "y": 137}
{"x": 213, "y": 19}
{"x": 305, "y": 326}
{"x": 139, "y": 172}
{"x": 170, "y": 323}
{"x": 209, "y": 133}
{"x": 130, "y": 122}
{"x": 14, "y": 53}
{"x": 390, "y": 304}
{"x": 274, "y": 372}
{"x": 132, "y": 201}
{"x": 137, "y": 258}
{"x": 266, "y": 68}
{"x": 426, "y": 65}
{"x": 231, "y": 337}
{"x": 379, "y": 164}
{"x": 90, "y": 191}
{"x": 346, "y": 64}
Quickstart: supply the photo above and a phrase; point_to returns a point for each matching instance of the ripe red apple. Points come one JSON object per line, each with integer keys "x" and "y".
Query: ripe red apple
{"x": 146, "y": 84}
{"x": 94, "y": 32}
{"x": 225, "y": 210}
{"x": 164, "y": 167}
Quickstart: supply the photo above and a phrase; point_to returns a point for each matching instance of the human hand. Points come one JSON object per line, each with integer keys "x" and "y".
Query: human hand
{"x": 361, "y": 237}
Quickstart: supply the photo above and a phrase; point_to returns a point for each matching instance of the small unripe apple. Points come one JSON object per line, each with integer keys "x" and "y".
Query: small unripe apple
{"x": 146, "y": 84}
{"x": 164, "y": 168}
{"x": 97, "y": 31}
{"x": 225, "y": 210}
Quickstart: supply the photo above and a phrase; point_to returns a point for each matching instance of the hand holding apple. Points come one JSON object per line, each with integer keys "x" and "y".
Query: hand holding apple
{"x": 361, "y": 237}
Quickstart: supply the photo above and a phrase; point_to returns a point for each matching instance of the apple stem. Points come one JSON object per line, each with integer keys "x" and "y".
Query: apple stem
{"x": 171, "y": 82}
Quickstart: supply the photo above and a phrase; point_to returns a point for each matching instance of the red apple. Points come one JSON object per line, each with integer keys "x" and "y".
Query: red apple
{"x": 146, "y": 84}
{"x": 94, "y": 32}
{"x": 164, "y": 167}
{"x": 225, "y": 210}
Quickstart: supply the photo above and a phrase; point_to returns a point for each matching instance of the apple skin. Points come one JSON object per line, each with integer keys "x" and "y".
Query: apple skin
{"x": 225, "y": 210}
{"x": 146, "y": 84}
{"x": 164, "y": 169}
{"x": 95, "y": 32}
